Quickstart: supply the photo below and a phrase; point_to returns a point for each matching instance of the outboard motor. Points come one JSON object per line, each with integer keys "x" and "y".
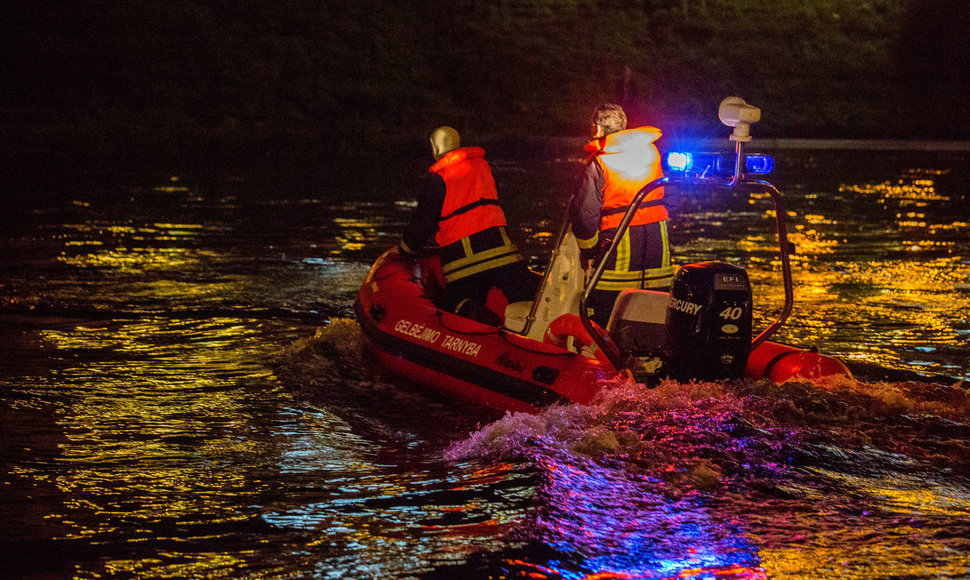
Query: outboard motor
{"x": 709, "y": 322}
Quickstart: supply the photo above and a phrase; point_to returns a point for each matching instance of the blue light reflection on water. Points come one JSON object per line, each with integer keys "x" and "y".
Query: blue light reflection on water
{"x": 605, "y": 506}
{"x": 609, "y": 523}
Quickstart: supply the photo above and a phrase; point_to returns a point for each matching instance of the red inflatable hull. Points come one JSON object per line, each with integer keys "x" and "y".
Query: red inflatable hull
{"x": 411, "y": 337}
{"x": 782, "y": 362}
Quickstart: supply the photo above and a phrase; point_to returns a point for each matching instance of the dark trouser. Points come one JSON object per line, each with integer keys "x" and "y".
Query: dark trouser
{"x": 642, "y": 260}
{"x": 476, "y": 264}
{"x": 515, "y": 281}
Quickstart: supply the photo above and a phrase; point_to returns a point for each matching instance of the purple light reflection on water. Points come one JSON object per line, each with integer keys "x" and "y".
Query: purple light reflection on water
{"x": 727, "y": 480}
{"x": 619, "y": 498}
{"x": 612, "y": 522}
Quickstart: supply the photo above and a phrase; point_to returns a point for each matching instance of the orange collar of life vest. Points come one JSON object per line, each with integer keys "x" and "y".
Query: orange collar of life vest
{"x": 457, "y": 156}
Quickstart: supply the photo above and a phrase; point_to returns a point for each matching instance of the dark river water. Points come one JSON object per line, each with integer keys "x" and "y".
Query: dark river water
{"x": 183, "y": 394}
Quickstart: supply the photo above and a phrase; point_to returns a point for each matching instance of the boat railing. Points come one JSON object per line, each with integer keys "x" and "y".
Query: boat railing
{"x": 544, "y": 281}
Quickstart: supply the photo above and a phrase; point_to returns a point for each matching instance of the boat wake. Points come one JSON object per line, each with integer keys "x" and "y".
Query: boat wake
{"x": 703, "y": 434}
{"x": 744, "y": 479}
{"x": 333, "y": 354}
{"x": 331, "y": 370}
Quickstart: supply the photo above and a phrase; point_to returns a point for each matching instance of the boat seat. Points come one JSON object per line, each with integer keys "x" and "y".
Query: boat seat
{"x": 638, "y": 321}
{"x": 516, "y": 314}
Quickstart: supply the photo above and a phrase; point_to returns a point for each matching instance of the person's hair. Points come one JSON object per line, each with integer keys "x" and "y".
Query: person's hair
{"x": 611, "y": 117}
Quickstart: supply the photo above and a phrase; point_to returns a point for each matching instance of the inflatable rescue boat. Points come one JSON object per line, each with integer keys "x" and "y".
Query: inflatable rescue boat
{"x": 548, "y": 351}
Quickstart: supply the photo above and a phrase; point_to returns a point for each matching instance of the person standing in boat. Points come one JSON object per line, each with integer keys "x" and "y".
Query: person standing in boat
{"x": 483, "y": 270}
{"x": 621, "y": 161}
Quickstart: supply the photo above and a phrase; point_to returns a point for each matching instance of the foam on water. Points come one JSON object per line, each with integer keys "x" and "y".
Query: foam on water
{"x": 711, "y": 429}
{"x": 335, "y": 351}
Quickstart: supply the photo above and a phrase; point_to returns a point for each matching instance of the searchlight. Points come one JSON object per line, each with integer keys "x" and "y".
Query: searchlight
{"x": 734, "y": 112}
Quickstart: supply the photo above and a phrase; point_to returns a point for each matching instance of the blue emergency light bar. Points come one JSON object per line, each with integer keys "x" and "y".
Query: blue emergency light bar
{"x": 716, "y": 164}
{"x": 759, "y": 164}
{"x": 678, "y": 161}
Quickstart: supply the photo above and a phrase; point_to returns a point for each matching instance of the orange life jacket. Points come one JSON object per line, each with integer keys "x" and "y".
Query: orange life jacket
{"x": 629, "y": 160}
{"x": 471, "y": 201}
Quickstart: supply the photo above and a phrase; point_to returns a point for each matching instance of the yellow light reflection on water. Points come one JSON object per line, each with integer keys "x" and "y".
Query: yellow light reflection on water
{"x": 195, "y": 565}
{"x": 172, "y": 187}
{"x": 355, "y": 233}
{"x": 911, "y": 187}
{"x": 872, "y": 288}
{"x": 152, "y": 420}
{"x": 139, "y": 259}
{"x": 151, "y": 410}
{"x": 881, "y": 547}
{"x": 871, "y": 559}
{"x": 882, "y": 307}
{"x": 132, "y": 249}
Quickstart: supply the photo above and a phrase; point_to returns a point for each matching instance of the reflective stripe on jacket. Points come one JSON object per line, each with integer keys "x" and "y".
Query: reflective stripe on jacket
{"x": 471, "y": 200}
{"x": 477, "y": 253}
{"x": 627, "y": 270}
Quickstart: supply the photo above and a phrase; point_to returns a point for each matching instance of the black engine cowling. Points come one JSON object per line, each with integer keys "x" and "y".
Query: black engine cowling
{"x": 709, "y": 322}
